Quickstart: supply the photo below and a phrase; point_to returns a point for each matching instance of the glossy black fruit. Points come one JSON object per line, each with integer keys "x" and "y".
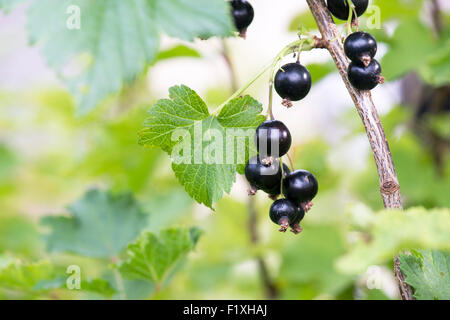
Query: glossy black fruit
{"x": 360, "y": 47}
{"x": 265, "y": 177}
{"x": 300, "y": 186}
{"x": 272, "y": 139}
{"x": 365, "y": 78}
{"x": 243, "y": 14}
{"x": 293, "y": 81}
{"x": 285, "y": 213}
{"x": 340, "y": 8}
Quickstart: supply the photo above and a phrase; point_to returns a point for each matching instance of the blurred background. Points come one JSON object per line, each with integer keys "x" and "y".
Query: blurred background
{"x": 50, "y": 156}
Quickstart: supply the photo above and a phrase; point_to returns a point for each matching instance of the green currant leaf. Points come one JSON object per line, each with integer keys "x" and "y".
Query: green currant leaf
{"x": 178, "y": 51}
{"x": 154, "y": 256}
{"x": 212, "y": 148}
{"x": 100, "y": 225}
{"x": 428, "y": 273}
{"x": 395, "y": 230}
{"x": 96, "y": 285}
{"x": 116, "y": 39}
{"x": 182, "y": 110}
{"x": 24, "y": 276}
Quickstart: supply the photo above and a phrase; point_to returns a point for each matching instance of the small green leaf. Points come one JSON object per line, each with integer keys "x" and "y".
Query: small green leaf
{"x": 22, "y": 276}
{"x": 179, "y": 51}
{"x": 209, "y": 161}
{"x": 98, "y": 286}
{"x": 395, "y": 230}
{"x": 182, "y": 110}
{"x": 428, "y": 273}
{"x": 100, "y": 225}
{"x": 154, "y": 256}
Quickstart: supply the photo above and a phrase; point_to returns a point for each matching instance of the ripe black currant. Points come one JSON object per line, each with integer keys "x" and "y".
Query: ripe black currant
{"x": 273, "y": 139}
{"x": 264, "y": 177}
{"x": 360, "y": 47}
{"x": 292, "y": 82}
{"x": 243, "y": 15}
{"x": 300, "y": 187}
{"x": 286, "y": 214}
{"x": 340, "y": 8}
{"x": 365, "y": 78}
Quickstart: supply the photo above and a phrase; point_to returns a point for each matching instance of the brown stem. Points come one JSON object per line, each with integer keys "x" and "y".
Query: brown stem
{"x": 226, "y": 57}
{"x": 119, "y": 280}
{"x": 405, "y": 290}
{"x": 389, "y": 186}
{"x": 269, "y": 286}
{"x": 436, "y": 17}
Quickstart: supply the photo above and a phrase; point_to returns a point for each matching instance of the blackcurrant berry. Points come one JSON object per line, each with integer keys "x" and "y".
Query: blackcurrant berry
{"x": 340, "y": 8}
{"x": 243, "y": 15}
{"x": 360, "y": 47}
{"x": 365, "y": 78}
{"x": 300, "y": 186}
{"x": 272, "y": 139}
{"x": 286, "y": 214}
{"x": 265, "y": 177}
{"x": 293, "y": 82}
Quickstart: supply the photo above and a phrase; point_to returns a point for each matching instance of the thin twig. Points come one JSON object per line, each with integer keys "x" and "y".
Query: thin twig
{"x": 389, "y": 186}
{"x": 227, "y": 58}
{"x": 270, "y": 106}
{"x": 269, "y": 286}
{"x": 436, "y": 17}
{"x": 119, "y": 281}
{"x": 291, "y": 163}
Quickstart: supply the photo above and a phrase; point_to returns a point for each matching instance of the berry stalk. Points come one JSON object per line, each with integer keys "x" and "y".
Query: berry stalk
{"x": 306, "y": 43}
{"x": 351, "y": 14}
{"x": 389, "y": 186}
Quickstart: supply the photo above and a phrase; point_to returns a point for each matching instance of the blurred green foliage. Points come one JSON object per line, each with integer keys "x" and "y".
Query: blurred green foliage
{"x": 49, "y": 158}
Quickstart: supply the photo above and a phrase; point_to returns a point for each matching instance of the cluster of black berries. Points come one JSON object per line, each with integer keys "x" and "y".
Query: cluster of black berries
{"x": 265, "y": 173}
{"x": 273, "y": 140}
{"x": 364, "y": 72}
{"x": 243, "y": 15}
